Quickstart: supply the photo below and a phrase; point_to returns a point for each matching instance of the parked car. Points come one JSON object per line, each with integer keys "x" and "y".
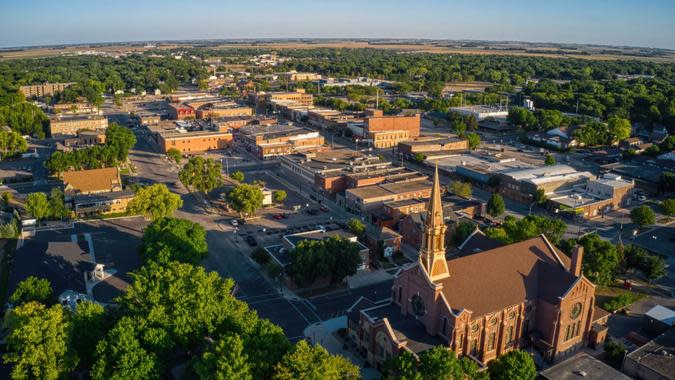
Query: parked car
{"x": 234, "y": 223}
{"x": 251, "y": 241}
{"x": 279, "y": 216}
{"x": 324, "y": 209}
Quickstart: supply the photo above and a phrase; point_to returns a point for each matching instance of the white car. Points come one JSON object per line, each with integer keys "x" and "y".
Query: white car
{"x": 234, "y": 223}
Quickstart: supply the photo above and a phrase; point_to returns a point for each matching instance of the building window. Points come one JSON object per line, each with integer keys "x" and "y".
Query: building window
{"x": 460, "y": 341}
{"x": 569, "y": 330}
{"x": 474, "y": 347}
{"x": 491, "y": 342}
{"x": 509, "y": 334}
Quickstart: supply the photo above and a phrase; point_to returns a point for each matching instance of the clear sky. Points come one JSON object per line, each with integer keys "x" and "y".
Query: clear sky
{"x": 616, "y": 22}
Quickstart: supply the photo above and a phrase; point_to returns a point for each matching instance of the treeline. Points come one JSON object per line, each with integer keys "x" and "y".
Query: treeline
{"x": 119, "y": 141}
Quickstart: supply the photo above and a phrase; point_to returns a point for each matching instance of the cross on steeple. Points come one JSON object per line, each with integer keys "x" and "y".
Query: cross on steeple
{"x": 432, "y": 253}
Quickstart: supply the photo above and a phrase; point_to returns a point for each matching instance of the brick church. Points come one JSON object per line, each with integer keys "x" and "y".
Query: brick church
{"x": 483, "y": 302}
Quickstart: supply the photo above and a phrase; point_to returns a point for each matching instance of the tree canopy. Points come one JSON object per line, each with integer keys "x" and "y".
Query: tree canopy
{"x": 515, "y": 230}
{"x": 168, "y": 239}
{"x": 11, "y": 144}
{"x": 307, "y": 362}
{"x": 200, "y": 174}
{"x": 32, "y": 289}
{"x": 155, "y": 202}
{"x": 495, "y": 205}
{"x": 245, "y": 199}
{"x": 642, "y": 216}
{"x": 514, "y": 364}
{"x": 332, "y": 259}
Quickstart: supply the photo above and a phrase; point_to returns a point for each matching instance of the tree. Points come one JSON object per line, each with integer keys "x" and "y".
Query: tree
{"x": 464, "y": 229}
{"x": 201, "y": 174}
{"x": 653, "y": 267}
{"x": 279, "y": 196}
{"x": 124, "y": 355}
{"x": 7, "y": 198}
{"x": 356, "y": 227}
{"x": 549, "y": 160}
{"x": 523, "y": 118}
{"x": 237, "y": 176}
{"x": 57, "y": 204}
{"x": 226, "y": 360}
{"x": 614, "y": 353}
{"x": 474, "y": 140}
{"x": 462, "y": 189}
{"x": 619, "y": 128}
{"x": 515, "y": 364}
{"x": 496, "y": 206}
{"x": 669, "y": 206}
{"x": 514, "y": 230}
{"x": 332, "y": 258}
{"x": 540, "y": 197}
{"x": 642, "y": 216}
{"x": 245, "y": 199}
{"x": 119, "y": 140}
{"x": 460, "y": 127}
{"x": 437, "y": 363}
{"x": 403, "y": 366}
{"x": 32, "y": 289}
{"x": 37, "y": 205}
{"x": 440, "y": 363}
{"x": 601, "y": 259}
{"x": 169, "y": 239}
{"x": 175, "y": 155}
{"x": 307, "y": 362}
{"x": 37, "y": 342}
{"x": 419, "y": 157}
{"x": 155, "y": 201}
{"x": 89, "y": 327}
{"x": 11, "y": 144}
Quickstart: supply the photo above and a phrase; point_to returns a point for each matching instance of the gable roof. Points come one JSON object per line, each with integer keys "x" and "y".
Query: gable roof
{"x": 491, "y": 280}
{"x": 85, "y": 181}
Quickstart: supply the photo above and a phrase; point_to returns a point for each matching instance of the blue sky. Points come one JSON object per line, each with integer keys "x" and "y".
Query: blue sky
{"x": 616, "y": 22}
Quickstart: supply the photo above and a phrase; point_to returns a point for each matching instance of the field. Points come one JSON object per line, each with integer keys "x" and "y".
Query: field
{"x": 592, "y": 52}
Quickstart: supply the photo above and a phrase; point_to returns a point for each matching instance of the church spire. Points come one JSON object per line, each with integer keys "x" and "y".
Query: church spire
{"x": 432, "y": 253}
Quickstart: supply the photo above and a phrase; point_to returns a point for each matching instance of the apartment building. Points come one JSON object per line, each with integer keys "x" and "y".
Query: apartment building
{"x": 72, "y": 124}
{"x": 45, "y": 89}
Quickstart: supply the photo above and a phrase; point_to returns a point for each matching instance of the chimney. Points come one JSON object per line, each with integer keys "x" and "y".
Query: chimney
{"x": 577, "y": 259}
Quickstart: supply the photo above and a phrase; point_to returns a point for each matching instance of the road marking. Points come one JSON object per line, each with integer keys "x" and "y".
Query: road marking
{"x": 299, "y": 312}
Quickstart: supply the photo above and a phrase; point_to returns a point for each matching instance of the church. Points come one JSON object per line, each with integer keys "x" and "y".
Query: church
{"x": 483, "y": 302}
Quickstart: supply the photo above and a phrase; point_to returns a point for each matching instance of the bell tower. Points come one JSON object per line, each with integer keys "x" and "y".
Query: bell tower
{"x": 432, "y": 253}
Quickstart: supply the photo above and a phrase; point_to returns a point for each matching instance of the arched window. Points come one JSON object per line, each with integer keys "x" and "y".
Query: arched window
{"x": 491, "y": 341}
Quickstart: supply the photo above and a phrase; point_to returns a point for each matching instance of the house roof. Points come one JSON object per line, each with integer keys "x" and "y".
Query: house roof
{"x": 572, "y": 368}
{"x": 91, "y": 180}
{"x": 497, "y": 278}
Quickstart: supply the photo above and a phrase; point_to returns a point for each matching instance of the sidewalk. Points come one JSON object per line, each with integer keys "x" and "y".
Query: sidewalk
{"x": 322, "y": 333}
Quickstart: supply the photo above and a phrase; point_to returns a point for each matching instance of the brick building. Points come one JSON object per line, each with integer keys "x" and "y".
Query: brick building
{"x": 483, "y": 304}
{"x": 267, "y": 141}
{"x": 180, "y": 111}
{"x": 103, "y": 203}
{"x": 366, "y": 199}
{"x": 71, "y": 125}
{"x": 45, "y": 89}
{"x": 194, "y": 141}
{"x": 428, "y": 145}
{"x": 149, "y": 119}
{"x": 522, "y": 184}
{"x": 376, "y": 121}
{"x": 218, "y": 111}
{"x": 596, "y": 197}
{"x": 93, "y": 181}
{"x": 74, "y": 108}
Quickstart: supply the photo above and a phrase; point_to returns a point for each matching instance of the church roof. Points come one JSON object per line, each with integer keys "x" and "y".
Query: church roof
{"x": 491, "y": 280}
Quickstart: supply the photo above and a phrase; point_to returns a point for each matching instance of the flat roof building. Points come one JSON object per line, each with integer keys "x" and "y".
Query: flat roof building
{"x": 45, "y": 89}
{"x": 267, "y": 141}
{"x": 432, "y": 145}
{"x": 364, "y": 199}
{"x": 481, "y": 112}
{"x": 583, "y": 366}
{"x": 653, "y": 361}
{"x": 72, "y": 124}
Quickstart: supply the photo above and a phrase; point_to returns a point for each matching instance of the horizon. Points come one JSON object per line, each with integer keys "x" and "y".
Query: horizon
{"x": 597, "y": 22}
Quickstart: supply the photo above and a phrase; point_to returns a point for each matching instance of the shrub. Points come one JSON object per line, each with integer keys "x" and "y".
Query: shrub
{"x": 620, "y": 301}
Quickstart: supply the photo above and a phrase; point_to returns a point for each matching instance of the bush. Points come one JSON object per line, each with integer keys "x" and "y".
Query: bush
{"x": 32, "y": 289}
{"x": 614, "y": 353}
{"x": 273, "y": 269}
{"x": 620, "y": 301}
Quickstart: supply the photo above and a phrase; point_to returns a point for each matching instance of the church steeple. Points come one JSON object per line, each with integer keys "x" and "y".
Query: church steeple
{"x": 432, "y": 253}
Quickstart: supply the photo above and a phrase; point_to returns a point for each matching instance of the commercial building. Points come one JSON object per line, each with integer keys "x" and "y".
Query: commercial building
{"x": 593, "y": 198}
{"x": 278, "y": 140}
{"x": 294, "y": 76}
{"x": 194, "y": 141}
{"x": 74, "y": 108}
{"x": 432, "y": 145}
{"x": 236, "y": 122}
{"x": 224, "y": 110}
{"x": 115, "y": 202}
{"x": 299, "y": 97}
{"x": 72, "y": 124}
{"x": 45, "y": 89}
{"x": 90, "y": 138}
{"x": 654, "y": 360}
{"x": 180, "y": 111}
{"x": 149, "y": 119}
{"x": 382, "y": 131}
{"x": 93, "y": 181}
{"x": 522, "y": 184}
{"x": 365, "y": 199}
{"x": 482, "y": 112}
{"x": 581, "y": 365}
{"x": 476, "y": 167}
{"x": 329, "y": 119}
{"x": 482, "y": 304}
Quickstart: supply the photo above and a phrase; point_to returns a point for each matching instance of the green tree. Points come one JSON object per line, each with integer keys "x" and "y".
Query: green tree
{"x": 356, "y": 227}
{"x": 619, "y": 128}
{"x": 669, "y": 206}
{"x": 237, "y": 176}
{"x": 245, "y": 199}
{"x": 419, "y": 157}
{"x": 495, "y": 205}
{"x": 57, "y": 204}
{"x": 307, "y": 362}
{"x": 440, "y": 363}
{"x": 460, "y": 127}
{"x": 37, "y": 342}
{"x": 11, "y": 144}
{"x": 279, "y": 196}
{"x": 464, "y": 229}
{"x": 403, "y": 366}
{"x": 7, "y": 198}
{"x": 89, "y": 324}
{"x": 514, "y": 230}
{"x": 226, "y": 360}
{"x": 474, "y": 140}
{"x": 643, "y": 216}
{"x": 614, "y": 353}
{"x": 540, "y": 197}
{"x": 332, "y": 258}
{"x": 37, "y": 205}
{"x": 123, "y": 354}
{"x": 175, "y": 155}
{"x": 119, "y": 140}
{"x": 155, "y": 201}
{"x": 523, "y": 118}
{"x": 201, "y": 174}
{"x": 462, "y": 189}
{"x": 169, "y": 239}
{"x": 32, "y": 289}
{"x": 515, "y": 364}
{"x": 601, "y": 259}
{"x": 653, "y": 267}
{"x": 549, "y": 160}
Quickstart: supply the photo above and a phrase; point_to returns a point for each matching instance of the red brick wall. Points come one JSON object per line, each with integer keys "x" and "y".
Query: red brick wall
{"x": 392, "y": 123}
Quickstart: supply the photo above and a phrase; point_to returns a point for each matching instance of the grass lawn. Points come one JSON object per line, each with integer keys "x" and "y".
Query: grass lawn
{"x": 604, "y": 294}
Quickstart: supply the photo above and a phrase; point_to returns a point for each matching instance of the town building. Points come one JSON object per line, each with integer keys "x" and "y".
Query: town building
{"x": 483, "y": 304}
{"x": 382, "y": 131}
{"x": 299, "y": 97}
{"x": 294, "y": 76}
{"x": 181, "y": 111}
{"x": 235, "y": 122}
{"x": 72, "y": 124}
{"x": 191, "y": 142}
{"x": 85, "y": 137}
{"x": 477, "y": 167}
{"x": 114, "y": 202}
{"x": 482, "y": 112}
{"x": 432, "y": 145}
{"x": 366, "y": 199}
{"x": 278, "y": 140}
{"x": 581, "y": 365}
{"x": 523, "y": 184}
{"x": 147, "y": 119}
{"x": 654, "y": 360}
{"x": 74, "y": 108}
{"x": 330, "y": 119}
{"x": 45, "y": 89}
{"x": 594, "y": 198}
{"x": 92, "y": 181}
